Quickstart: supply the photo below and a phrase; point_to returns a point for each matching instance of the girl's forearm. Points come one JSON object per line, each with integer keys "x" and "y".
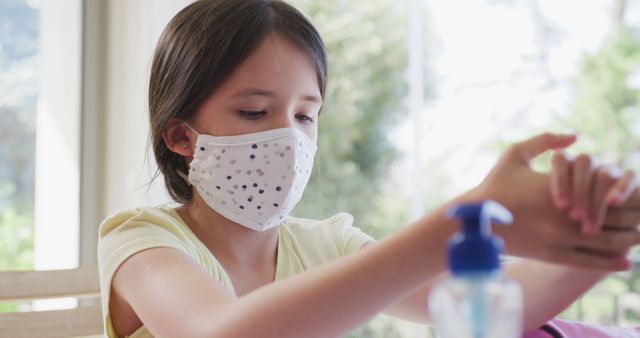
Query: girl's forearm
{"x": 331, "y": 300}
{"x": 548, "y": 289}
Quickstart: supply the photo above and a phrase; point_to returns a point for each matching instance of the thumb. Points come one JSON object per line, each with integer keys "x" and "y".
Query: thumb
{"x": 529, "y": 149}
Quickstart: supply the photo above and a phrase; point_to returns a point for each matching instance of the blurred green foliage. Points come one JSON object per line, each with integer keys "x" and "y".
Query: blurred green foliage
{"x": 16, "y": 245}
{"x": 605, "y": 110}
{"x": 16, "y": 240}
{"x": 18, "y": 88}
{"x": 367, "y": 52}
{"x": 605, "y": 114}
{"x": 366, "y": 97}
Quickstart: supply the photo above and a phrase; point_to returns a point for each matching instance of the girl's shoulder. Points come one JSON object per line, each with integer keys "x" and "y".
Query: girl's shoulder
{"x": 128, "y": 231}
{"x": 163, "y": 216}
{"x": 341, "y": 219}
{"x": 333, "y": 234}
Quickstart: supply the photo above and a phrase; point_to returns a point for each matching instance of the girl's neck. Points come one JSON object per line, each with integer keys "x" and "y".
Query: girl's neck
{"x": 232, "y": 244}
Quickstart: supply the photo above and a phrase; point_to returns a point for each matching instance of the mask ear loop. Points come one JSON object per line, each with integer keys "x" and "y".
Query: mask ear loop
{"x": 190, "y": 127}
{"x": 184, "y": 177}
{"x": 180, "y": 173}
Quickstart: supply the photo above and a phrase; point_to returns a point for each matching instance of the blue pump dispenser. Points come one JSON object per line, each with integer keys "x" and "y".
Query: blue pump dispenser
{"x": 477, "y": 301}
{"x": 475, "y": 248}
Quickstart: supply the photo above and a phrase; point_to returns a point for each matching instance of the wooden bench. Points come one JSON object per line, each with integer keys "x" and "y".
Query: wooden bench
{"x": 23, "y": 286}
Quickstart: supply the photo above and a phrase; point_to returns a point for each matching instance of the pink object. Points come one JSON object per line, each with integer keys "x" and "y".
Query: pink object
{"x": 558, "y": 328}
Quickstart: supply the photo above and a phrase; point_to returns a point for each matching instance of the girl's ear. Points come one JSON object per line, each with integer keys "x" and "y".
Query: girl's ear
{"x": 179, "y": 138}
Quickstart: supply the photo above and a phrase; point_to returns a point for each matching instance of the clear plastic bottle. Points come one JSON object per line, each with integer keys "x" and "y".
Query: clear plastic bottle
{"x": 477, "y": 300}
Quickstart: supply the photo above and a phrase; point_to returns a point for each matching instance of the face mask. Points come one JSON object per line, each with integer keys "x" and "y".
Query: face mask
{"x": 254, "y": 179}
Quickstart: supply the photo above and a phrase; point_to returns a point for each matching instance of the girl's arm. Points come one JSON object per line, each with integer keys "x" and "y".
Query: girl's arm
{"x": 547, "y": 289}
{"x": 174, "y": 297}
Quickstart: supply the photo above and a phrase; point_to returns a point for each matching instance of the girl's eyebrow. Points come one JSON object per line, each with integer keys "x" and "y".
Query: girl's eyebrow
{"x": 261, "y": 92}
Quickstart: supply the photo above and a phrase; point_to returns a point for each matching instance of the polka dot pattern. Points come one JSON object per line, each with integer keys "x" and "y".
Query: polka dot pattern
{"x": 253, "y": 179}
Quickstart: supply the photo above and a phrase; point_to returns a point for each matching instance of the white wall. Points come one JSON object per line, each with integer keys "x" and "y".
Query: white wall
{"x": 58, "y": 139}
{"x": 133, "y": 30}
{"x": 119, "y": 39}
{"x": 92, "y": 125}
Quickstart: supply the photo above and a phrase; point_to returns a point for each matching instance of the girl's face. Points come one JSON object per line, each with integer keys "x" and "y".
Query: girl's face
{"x": 275, "y": 87}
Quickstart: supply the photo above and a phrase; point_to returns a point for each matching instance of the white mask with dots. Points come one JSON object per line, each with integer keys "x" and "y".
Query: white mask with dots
{"x": 253, "y": 179}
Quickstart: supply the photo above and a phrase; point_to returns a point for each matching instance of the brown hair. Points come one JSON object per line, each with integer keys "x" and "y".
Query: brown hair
{"x": 200, "y": 47}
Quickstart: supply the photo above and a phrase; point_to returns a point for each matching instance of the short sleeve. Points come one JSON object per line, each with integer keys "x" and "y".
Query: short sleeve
{"x": 125, "y": 234}
{"x": 130, "y": 238}
{"x": 348, "y": 238}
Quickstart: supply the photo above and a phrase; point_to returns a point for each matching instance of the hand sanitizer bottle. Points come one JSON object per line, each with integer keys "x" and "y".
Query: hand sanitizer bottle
{"x": 477, "y": 300}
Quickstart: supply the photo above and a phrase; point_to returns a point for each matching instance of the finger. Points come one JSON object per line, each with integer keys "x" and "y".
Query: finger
{"x": 610, "y": 241}
{"x": 623, "y": 188}
{"x": 527, "y": 150}
{"x": 560, "y": 180}
{"x": 581, "y": 190}
{"x": 603, "y": 260}
{"x": 633, "y": 201}
{"x": 604, "y": 180}
{"x": 587, "y": 259}
{"x": 622, "y": 218}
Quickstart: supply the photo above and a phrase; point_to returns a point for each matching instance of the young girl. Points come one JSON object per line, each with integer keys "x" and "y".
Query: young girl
{"x": 235, "y": 95}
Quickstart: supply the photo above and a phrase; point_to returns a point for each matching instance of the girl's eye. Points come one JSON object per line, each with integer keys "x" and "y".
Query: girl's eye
{"x": 304, "y": 118}
{"x": 252, "y": 114}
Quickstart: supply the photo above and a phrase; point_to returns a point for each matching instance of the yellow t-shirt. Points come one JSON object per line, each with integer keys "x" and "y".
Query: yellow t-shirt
{"x": 302, "y": 244}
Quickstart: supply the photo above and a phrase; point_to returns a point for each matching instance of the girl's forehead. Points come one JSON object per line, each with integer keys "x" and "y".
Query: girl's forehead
{"x": 275, "y": 63}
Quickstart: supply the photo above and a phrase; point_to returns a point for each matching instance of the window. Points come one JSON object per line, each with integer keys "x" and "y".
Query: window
{"x": 488, "y": 73}
{"x": 40, "y": 69}
{"x": 18, "y": 92}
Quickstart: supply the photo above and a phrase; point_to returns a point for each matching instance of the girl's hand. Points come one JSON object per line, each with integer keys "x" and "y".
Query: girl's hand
{"x": 595, "y": 195}
{"x": 541, "y": 230}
